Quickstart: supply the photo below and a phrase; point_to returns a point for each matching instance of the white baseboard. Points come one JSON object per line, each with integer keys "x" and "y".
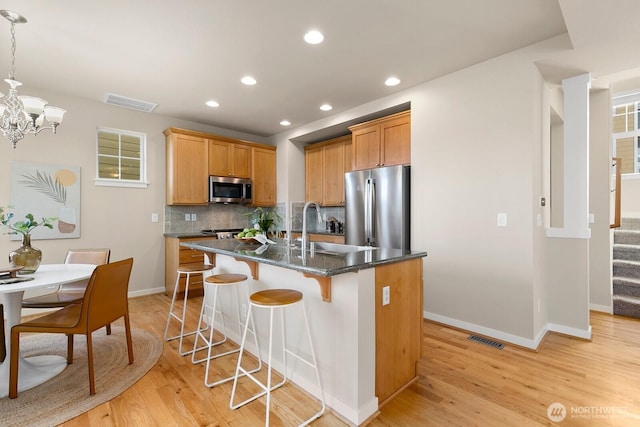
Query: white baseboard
{"x": 498, "y": 335}
{"x": 603, "y": 308}
{"x": 532, "y": 344}
{"x": 144, "y": 292}
{"x": 567, "y": 330}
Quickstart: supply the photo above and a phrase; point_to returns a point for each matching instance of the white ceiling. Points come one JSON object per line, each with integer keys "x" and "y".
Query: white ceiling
{"x": 180, "y": 54}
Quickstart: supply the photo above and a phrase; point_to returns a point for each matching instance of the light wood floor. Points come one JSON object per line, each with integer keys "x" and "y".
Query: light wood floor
{"x": 462, "y": 383}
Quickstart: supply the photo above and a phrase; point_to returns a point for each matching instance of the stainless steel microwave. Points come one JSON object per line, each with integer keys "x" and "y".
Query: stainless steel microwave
{"x": 223, "y": 189}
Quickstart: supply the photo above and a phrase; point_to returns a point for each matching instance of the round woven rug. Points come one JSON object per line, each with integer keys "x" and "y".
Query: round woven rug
{"x": 67, "y": 395}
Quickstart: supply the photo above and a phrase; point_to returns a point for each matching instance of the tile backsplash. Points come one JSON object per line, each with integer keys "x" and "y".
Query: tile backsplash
{"x": 220, "y": 217}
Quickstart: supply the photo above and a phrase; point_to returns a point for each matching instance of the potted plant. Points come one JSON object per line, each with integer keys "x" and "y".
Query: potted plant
{"x": 25, "y": 256}
{"x": 264, "y": 218}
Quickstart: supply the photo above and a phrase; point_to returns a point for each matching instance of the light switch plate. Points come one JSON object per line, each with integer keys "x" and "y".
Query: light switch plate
{"x": 386, "y": 297}
{"x": 154, "y": 217}
{"x": 502, "y": 219}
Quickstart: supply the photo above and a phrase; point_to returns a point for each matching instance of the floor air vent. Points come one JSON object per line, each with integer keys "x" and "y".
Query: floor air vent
{"x": 126, "y": 102}
{"x": 486, "y": 341}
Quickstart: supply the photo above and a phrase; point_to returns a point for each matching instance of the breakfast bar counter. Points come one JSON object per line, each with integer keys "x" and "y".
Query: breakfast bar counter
{"x": 365, "y": 319}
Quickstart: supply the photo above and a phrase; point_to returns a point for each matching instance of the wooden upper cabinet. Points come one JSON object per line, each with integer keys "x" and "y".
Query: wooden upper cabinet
{"x": 333, "y": 188}
{"x": 366, "y": 147}
{"x": 263, "y": 160}
{"x": 348, "y": 155}
{"x": 325, "y": 166}
{"x": 382, "y": 142}
{"x": 313, "y": 173}
{"x": 229, "y": 159}
{"x": 187, "y": 168}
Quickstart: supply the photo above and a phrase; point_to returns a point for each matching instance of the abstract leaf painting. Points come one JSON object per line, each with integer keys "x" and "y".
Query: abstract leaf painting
{"x": 47, "y": 191}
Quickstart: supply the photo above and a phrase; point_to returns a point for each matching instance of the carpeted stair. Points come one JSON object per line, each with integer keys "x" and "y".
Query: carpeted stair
{"x": 626, "y": 268}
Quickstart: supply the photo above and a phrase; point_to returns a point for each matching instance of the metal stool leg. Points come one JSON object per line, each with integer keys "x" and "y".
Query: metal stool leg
{"x": 182, "y": 318}
{"x": 210, "y": 343}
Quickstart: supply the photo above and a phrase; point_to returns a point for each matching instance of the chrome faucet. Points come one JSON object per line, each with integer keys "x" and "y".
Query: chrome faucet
{"x": 304, "y": 223}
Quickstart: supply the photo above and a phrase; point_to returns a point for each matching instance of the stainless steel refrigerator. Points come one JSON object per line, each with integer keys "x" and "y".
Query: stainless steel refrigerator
{"x": 377, "y": 210}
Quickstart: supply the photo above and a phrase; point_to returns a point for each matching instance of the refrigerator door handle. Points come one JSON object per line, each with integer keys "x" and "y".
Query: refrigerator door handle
{"x": 372, "y": 215}
{"x": 367, "y": 210}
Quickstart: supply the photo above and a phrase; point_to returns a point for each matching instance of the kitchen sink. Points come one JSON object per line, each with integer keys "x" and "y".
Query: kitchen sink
{"x": 339, "y": 249}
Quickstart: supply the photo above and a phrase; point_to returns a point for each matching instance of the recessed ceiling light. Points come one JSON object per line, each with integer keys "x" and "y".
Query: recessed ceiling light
{"x": 212, "y": 103}
{"x": 248, "y": 80}
{"x": 314, "y": 37}
{"x": 285, "y": 123}
{"x": 392, "y": 81}
{"x": 326, "y": 107}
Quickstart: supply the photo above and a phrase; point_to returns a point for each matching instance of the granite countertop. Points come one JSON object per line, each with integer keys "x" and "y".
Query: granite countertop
{"x": 319, "y": 264}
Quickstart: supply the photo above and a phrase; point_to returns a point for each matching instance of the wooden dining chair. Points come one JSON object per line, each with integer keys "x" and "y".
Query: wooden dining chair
{"x": 104, "y": 301}
{"x": 70, "y": 293}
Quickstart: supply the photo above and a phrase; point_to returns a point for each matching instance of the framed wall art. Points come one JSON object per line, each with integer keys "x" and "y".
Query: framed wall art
{"x": 47, "y": 191}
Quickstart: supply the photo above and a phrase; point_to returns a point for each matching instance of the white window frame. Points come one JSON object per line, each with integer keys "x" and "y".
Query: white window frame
{"x": 108, "y": 182}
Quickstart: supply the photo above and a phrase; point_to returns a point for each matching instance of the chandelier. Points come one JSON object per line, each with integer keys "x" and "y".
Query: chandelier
{"x": 23, "y": 115}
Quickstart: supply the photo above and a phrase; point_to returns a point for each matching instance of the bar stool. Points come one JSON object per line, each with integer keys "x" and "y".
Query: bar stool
{"x": 218, "y": 281}
{"x": 188, "y": 270}
{"x": 273, "y": 299}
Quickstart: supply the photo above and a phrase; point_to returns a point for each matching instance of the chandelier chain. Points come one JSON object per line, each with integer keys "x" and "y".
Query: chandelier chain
{"x": 12, "y": 75}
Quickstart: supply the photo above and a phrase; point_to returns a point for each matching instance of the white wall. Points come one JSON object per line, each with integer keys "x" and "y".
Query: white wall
{"x": 480, "y": 146}
{"x": 118, "y": 218}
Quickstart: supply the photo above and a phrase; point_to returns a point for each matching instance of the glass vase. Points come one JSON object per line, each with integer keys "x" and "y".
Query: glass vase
{"x": 26, "y": 256}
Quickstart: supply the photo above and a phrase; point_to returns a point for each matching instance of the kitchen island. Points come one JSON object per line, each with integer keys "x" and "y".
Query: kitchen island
{"x": 367, "y": 346}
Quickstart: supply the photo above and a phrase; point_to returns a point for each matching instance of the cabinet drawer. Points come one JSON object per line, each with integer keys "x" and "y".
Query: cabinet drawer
{"x": 188, "y": 256}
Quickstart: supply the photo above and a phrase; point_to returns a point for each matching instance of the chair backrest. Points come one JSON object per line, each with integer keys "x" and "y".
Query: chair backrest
{"x": 105, "y": 299}
{"x": 97, "y": 256}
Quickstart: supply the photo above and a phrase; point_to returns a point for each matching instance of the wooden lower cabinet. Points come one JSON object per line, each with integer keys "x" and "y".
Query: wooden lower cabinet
{"x": 398, "y": 326}
{"x": 174, "y": 255}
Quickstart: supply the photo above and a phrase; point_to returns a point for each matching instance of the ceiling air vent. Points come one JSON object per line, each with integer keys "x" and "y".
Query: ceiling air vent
{"x": 133, "y": 104}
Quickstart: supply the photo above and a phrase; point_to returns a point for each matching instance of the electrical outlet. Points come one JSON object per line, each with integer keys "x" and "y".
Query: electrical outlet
{"x": 502, "y": 219}
{"x": 386, "y": 297}
{"x": 187, "y": 217}
{"x": 193, "y": 217}
{"x": 154, "y": 217}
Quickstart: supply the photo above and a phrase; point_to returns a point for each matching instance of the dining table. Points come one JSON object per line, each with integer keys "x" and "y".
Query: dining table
{"x": 34, "y": 370}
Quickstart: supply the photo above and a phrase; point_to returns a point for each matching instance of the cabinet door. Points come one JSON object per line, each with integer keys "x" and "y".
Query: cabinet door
{"x": 313, "y": 174}
{"x": 241, "y": 161}
{"x": 333, "y": 189}
{"x": 348, "y": 155}
{"x": 187, "y": 170}
{"x": 398, "y": 326}
{"x": 219, "y": 155}
{"x": 395, "y": 141}
{"x": 366, "y": 147}
{"x": 263, "y": 174}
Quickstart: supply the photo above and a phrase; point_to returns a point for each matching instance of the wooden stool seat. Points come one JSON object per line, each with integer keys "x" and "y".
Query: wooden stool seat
{"x": 194, "y": 268}
{"x": 225, "y": 279}
{"x": 275, "y": 297}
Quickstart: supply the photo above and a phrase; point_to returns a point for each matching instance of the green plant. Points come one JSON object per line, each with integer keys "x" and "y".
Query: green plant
{"x": 265, "y": 218}
{"x": 24, "y": 227}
